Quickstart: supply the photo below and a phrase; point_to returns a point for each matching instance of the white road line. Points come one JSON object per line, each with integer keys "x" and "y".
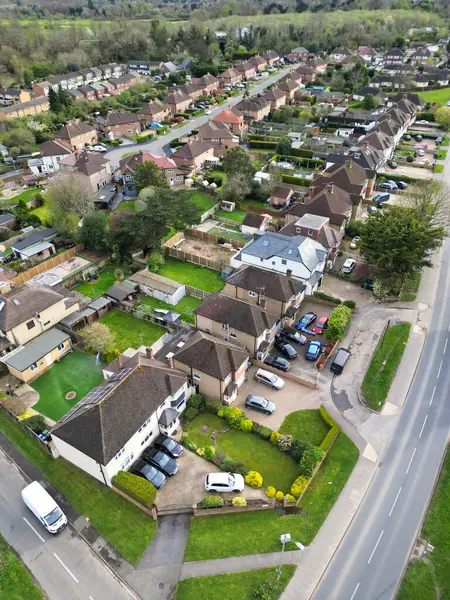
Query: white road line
{"x": 439, "y": 372}
{"x": 432, "y": 395}
{"x": 36, "y": 532}
{"x": 395, "y": 502}
{"x": 407, "y": 470}
{"x": 445, "y": 347}
{"x": 448, "y": 328}
{"x": 376, "y": 546}
{"x": 63, "y": 565}
{"x": 91, "y": 598}
{"x": 423, "y": 426}
{"x": 354, "y": 593}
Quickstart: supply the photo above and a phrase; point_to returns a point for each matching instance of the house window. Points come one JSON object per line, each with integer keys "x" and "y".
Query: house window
{"x": 61, "y": 347}
{"x": 224, "y": 326}
{"x": 178, "y": 401}
{"x": 127, "y": 461}
{"x": 273, "y": 262}
{"x": 298, "y": 230}
{"x": 33, "y": 367}
{"x": 119, "y": 454}
{"x": 310, "y": 231}
{"x": 233, "y": 335}
{"x": 144, "y": 425}
{"x": 252, "y": 294}
{"x": 283, "y": 261}
{"x": 197, "y": 377}
{"x": 31, "y": 324}
{"x": 147, "y": 437}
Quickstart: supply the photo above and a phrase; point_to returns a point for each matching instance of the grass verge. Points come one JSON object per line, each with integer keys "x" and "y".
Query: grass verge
{"x": 16, "y": 582}
{"x": 441, "y": 96}
{"x": 220, "y": 536}
{"x": 384, "y": 364}
{"x": 306, "y": 425}
{"x": 131, "y": 332}
{"x": 231, "y": 586}
{"x": 121, "y": 523}
{"x": 438, "y": 169}
{"x": 193, "y": 275}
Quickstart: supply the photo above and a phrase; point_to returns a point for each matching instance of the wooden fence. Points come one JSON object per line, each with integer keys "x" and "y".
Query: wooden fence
{"x": 215, "y": 265}
{"x": 196, "y": 293}
{"x": 52, "y": 262}
{"x": 212, "y": 237}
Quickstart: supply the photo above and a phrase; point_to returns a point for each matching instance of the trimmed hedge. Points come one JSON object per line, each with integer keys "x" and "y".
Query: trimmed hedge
{"x": 395, "y": 177}
{"x": 262, "y": 145}
{"x": 332, "y": 434}
{"x": 310, "y": 460}
{"x": 327, "y": 297}
{"x": 190, "y": 413}
{"x": 349, "y": 304}
{"x": 137, "y": 487}
{"x": 143, "y": 138}
{"x": 261, "y": 431}
{"x": 302, "y": 152}
{"x": 301, "y": 181}
{"x": 212, "y": 502}
{"x": 338, "y": 322}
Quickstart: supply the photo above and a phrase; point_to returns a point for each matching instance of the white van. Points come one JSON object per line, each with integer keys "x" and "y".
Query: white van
{"x": 44, "y": 507}
{"x": 269, "y": 379}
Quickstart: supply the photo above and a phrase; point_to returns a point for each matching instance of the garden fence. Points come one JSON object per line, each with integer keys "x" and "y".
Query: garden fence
{"x": 211, "y": 237}
{"x": 25, "y": 427}
{"x": 196, "y": 293}
{"x": 52, "y": 262}
{"x": 215, "y": 265}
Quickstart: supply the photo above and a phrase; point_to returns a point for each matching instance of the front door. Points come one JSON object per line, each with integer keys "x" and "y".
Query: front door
{"x": 48, "y": 359}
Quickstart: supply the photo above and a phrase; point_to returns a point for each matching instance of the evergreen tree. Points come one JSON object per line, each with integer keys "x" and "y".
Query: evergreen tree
{"x": 54, "y": 100}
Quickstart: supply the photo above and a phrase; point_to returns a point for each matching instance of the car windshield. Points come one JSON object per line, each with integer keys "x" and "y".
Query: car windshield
{"x": 273, "y": 378}
{"x": 230, "y": 480}
{"x": 149, "y": 471}
{"x": 162, "y": 458}
{"x": 262, "y": 402}
{"x": 169, "y": 443}
{"x": 54, "y": 516}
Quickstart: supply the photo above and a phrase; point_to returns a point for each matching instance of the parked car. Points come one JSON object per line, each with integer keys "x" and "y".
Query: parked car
{"x": 293, "y": 336}
{"x": 367, "y": 284}
{"x": 407, "y": 137}
{"x": 277, "y": 362}
{"x": 207, "y": 111}
{"x": 419, "y": 138}
{"x": 372, "y": 210}
{"x": 339, "y": 360}
{"x": 224, "y": 482}
{"x": 168, "y": 445}
{"x": 161, "y": 461}
{"x": 148, "y": 472}
{"x": 381, "y": 198}
{"x": 270, "y": 379}
{"x": 44, "y": 507}
{"x": 99, "y": 148}
{"x": 313, "y": 350}
{"x": 387, "y": 185}
{"x": 348, "y": 265}
{"x": 320, "y": 325}
{"x": 306, "y": 321}
{"x": 156, "y": 125}
{"x": 393, "y": 164}
{"x": 260, "y": 403}
{"x": 355, "y": 241}
{"x": 90, "y": 148}
{"x": 285, "y": 348}
{"x": 420, "y": 152}
{"x": 439, "y": 139}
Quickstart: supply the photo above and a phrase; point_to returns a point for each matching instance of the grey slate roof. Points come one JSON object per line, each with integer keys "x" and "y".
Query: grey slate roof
{"x": 167, "y": 416}
{"x": 28, "y": 355}
{"x": 120, "y": 291}
{"x": 40, "y": 235}
{"x": 155, "y": 281}
{"x": 6, "y": 218}
{"x": 99, "y": 303}
{"x": 275, "y": 285}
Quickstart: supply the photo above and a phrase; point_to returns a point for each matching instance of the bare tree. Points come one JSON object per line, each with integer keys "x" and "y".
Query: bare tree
{"x": 70, "y": 199}
{"x": 429, "y": 200}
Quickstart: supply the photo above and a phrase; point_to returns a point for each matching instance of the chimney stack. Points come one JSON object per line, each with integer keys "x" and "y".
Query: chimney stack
{"x": 149, "y": 352}
{"x": 170, "y": 362}
{"x": 289, "y": 273}
{"x": 122, "y": 360}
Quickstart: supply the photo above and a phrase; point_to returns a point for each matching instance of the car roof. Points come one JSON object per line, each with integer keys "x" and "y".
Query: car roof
{"x": 349, "y": 261}
{"x": 324, "y": 318}
{"x": 314, "y": 343}
{"x": 218, "y": 477}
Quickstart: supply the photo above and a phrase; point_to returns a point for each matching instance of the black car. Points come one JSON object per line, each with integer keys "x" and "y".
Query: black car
{"x": 293, "y": 336}
{"x": 168, "y": 445}
{"x": 285, "y": 348}
{"x": 278, "y": 363}
{"x": 402, "y": 185}
{"x": 306, "y": 321}
{"x": 161, "y": 461}
{"x": 148, "y": 472}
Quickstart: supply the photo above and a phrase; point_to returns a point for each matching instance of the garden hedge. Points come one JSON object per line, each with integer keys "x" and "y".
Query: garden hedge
{"x": 332, "y": 434}
{"x": 262, "y": 145}
{"x": 395, "y": 177}
{"x": 302, "y": 152}
{"x": 306, "y": 162}
{"x": 212, "y": 502}
{"x": 338, "y": 322}
{"x": 310, "y": 460}
{"x": 327, "y": 297}
{"x": 137, "y": 487}
{"x": 301, "y": 181}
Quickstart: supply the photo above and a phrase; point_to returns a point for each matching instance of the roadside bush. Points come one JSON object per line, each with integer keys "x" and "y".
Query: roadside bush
{"x": 410, "y": 158}
{"x": 212, "y": 502}
{"x": 261, "y": 431}
{"x": 137, "y": 487}
{"x": 338, "y": 322}
{"x": 233, "y": 416}
{"x": 187, "y": 443}
{"x": 254, "y": 479}
{"x": 36, "y": 423}
{"x": 190, "y": 413}
{"x": 329, "y": 439}
{"x": 279, "y": 496}
{"x": 349, "y": 304}
{"x": 238, "y": 501}
{"x": 298, "y": 448}
{"x": 327, "y": 297}
{"x": 197, "y": 401}
{"x": 209, "y": 452}
{"x": 354, "y": 228}
{"x": 274, "y": 437}
{"x": 327, "y": 417}
{"x": 310, "y": 460}
{"x": 270, "y": 491}
{"x": 299, "y": 485}
{"x": 247, "y": 425}
{"x": 265, "y": 590}
{"x": 289, "y": 498}
{"x": 213, "y": 405}
{"x": 285, "y": 442}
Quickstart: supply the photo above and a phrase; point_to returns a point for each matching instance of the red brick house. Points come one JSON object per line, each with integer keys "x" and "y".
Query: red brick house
{"x": 234, "y": 122}
{"x": 192, "y": 156}
{"x": 121, "y": 123}
{"x": 230, "y": 78}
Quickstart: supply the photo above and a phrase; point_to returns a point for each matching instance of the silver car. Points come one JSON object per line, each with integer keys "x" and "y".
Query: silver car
{"x": 260, "y": 403}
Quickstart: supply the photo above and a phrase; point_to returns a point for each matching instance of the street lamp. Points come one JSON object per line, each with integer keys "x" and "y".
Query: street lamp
{"x": 285, "y": 538}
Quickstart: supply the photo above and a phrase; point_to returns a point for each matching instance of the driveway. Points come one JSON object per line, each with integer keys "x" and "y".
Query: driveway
{"x": 411, "y": 171}
{"x": 292, "y": 397}
{"x": 346, "y": 290}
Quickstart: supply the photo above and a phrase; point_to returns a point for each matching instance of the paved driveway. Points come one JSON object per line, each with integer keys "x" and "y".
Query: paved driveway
{"x": 346, "y": 290}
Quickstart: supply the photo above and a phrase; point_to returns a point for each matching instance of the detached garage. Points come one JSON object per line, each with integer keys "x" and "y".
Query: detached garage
{"x": 159, "y": 287}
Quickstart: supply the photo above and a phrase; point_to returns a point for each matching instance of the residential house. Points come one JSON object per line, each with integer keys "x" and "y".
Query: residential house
{"x": 253, "y": 223}
{"x": 145, "y": 67}
{"x": 277, "y": 293}
{"x": 77, "y": 134}
{"x": 76, "y": 93}
{"x": 107, "y": 70}
{"x": 252, "y": 108}
{"x": 167, "y": 166}
{"x": 91, "y": 75}
{"x": 35, "y": 247}
{"x": 52, "y": 152}
{"x": 234, "y": 122}
{"x": 389, "y": 81}
{"x": 208, "y": 83}
{"x": 299, "y": 54}
{"x": 87, "y": 92}
{"x": 350, "y": 62}
{"x": 394, "y": 56}
{"x": 123, "y": 82}
{"x": 281, "y": 196}
{"x": 93, "y": 165}
{"x": 235, "y": 321}
{"x": 121, "y": 123}
{"x": 421, "y": 56}
{"x": 110, "y": 86}
{"x": 177, "y": 102}
{"x": 298, "y": 256}
{"x": 100, "y": 90}
{"x": 276, "y": 97}
{"x": 350, "y": 177}
{"x": 29, "y": 362}
{"x": 258, "y": 62}
{"x": 306, "y": 72}
{"x": 338, "y": 54}
{"x": 246, "y": 69}
{"x": 14, "y": 95}
{"x": 365, "y": 91}
{"x": 230, "y": 78}
{"x": 41, "y": 88}
{"x": 25, "y": 109}
{"x": 214, "y": 366}
{"x": 168, "y": 68}
{"x": 27, "y": 311}
{"x": 8, "y": 221}
{"x": 271, "y": 57}
{"x": 159, "y": 287}
{"x": 192, "y": 156}
{"x": 189, "y": 90}
{"x": 107, "y": 430}
{"x": 319, "y": 64}
{"x": 367, "y": 53}
{"x": 218, "y": 135}
{"x": 289, "y": 87}
{"x": 154, "y": 112}
{"x": 317, "y": 228}
{"x": 331, "y": 202}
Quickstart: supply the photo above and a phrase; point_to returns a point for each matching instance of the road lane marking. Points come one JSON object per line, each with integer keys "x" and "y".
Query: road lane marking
{"x": 445, "y": 347}
{"x": 423, "y": 426}
{"x": 91, "y": 598}
{"x": 409, "y": 465}
{"x": 439, "y": 372}
{"x": 36, "y": 532}
{"x": 376, "y": 546}
{"x": 395, "y": 501}
{"x": 354, "y": 593}
{"x": 66, "y": 568}
{"x": 432, "y": 395}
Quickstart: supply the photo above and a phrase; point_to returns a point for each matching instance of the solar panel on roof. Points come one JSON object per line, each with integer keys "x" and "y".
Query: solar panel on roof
{"x": 120, "y": 374}
{"x": 265, "y": 242}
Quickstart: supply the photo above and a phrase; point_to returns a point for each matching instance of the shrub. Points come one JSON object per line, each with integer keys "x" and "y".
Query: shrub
{"x": 36, "y": 423}
{"x": 238, "y": 501}
{"x": 197, "y": 401}
{"x": 410, "y": 158}
{"x": 285, "y": 442}
{"x": 338, "y": 322}
{"x": 231, "y": 466}
{"x": 274, "y": 437}
{"x": 349, "y": 304}
{"x": 264, "y": 590}
{"x": 187, "y": 443}
{"x": 298, "y": 448}
{"x": 279, "y": 496}
{"x": 270, "y": 491}
{"x": 213, "y": 405}
{"x": 299, "y": 485}
{"x": 310, "y": 460}
{"x": 137, "y": 487}
{"x": 247, "y": 425}
{"x": 329, "y": 439}
{"x": 254, "y": 479}
{"x": 327, "y": 417}
{"x": 296, "y": 180}
{"x": 301, "y": 152}
{"x": 209, "y": 452}
{"x": 221, "y": 241}
{"x": 212, "y": 502}
{"x": 233, "y": 416}
{"x": 327, "y": 297}
{"x": 190, "y": 413}
{"x": 263, "y": 145}
{"x": 200, "y": 451}
{"x": 354, "y": 228}
{"x": 289, "y": 498}
{"x": 263, "y": 432}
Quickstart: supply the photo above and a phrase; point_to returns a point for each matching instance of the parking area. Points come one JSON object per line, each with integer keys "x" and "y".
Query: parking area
{"x": 346, "y": 290}
{"x": 361, "y": 269}
{"x": 411, "y": 171}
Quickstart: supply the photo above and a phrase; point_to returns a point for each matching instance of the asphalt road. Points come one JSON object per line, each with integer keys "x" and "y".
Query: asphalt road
{"x": 370, "y": 561}
{"x": 160, "y": 145}
{"x": 63, "y": 565}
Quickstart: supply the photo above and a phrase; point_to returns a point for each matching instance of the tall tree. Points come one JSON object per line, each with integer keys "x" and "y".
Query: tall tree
{"x": 93, "y": 233}
{"x": 237, "y": 161}
{"x": 70, "y": 199}
{"x": 284, "y": 146}
{"x": 98, "y": 338}
{"x": 442, "y": 116}
{"x": 54, "y": 100}
{"x": 147, "y": 174}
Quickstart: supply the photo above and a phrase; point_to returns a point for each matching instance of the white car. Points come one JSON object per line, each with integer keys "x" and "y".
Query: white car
{"x": 420, "y": 152}
{"x": 90, "y": 148}
{"x": 348, "y": 266}
{"x": 224, "y": 482}
{"x": 207, "y": 111}
{"x": 99, "y": 148}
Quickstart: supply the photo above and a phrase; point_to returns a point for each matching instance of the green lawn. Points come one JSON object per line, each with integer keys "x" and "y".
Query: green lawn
{"x": 131, "y": 332}
{"x": 441, "y": 96}
{"x": 193, "y": 275}
{"x": 121, "y": 523}
{"x": 431, "y": 580}
{"x": 232, "y": 235}
{"x": 16, "y": 582}
{"x": 233, "y": 586}
{"x": 185, "y": 307}
{"x": 75, "y": 372}
{"x": 43, "y": 213}
{"x": 442, "y": 154}
{"x": 438, "y": 169}
{"x": 127, "y": 205}
{"x": 278, "y": 469}
{"x": 220, "y": 536}
{"x": 305, "y": 425}
{"x": 203, "y": 201}
{"x": 92, "y": 289}
{"x": 26, "y": 196}
{"x": 384, "y": 364}
{"x": 237, "y": 215}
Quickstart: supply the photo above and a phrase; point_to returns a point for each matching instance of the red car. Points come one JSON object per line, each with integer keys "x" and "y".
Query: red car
{"x": 320, "y": 325}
